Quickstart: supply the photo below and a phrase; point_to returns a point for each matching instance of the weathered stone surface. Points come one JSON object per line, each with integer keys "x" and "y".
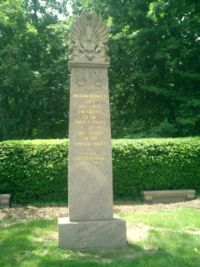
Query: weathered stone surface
{"x": 4, "y": 201}
{"x": 92, "y": 234}
{"x": 90, "y": 189}
{"x": 168, "y": 196}
{"x": 90, "y": 160}
{"x": 89, "y": 37}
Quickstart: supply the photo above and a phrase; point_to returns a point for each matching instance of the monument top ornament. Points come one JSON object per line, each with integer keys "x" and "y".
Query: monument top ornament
{"x": 89, "y": 37}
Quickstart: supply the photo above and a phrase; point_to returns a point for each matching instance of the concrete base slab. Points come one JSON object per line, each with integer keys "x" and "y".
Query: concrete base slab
{"x": 91, "y": 234}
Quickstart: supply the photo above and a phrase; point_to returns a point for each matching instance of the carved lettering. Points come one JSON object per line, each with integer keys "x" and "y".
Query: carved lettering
{"x": 90, "y": 143}
{"x": 91, "y": 96}
{"x": 90, "y": 122}
{"x": 90, "y": 158}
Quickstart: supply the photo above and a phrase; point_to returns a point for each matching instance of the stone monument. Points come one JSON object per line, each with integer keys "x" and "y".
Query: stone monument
{"x": 90, "y": 194}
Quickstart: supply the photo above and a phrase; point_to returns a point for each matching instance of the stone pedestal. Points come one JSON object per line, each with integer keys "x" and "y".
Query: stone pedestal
{"x": 92, "y": 234}
{"x": 90, "y": 190}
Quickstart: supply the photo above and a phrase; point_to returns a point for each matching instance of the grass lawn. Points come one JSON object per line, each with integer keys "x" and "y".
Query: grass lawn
{"x": 161, "y": 238}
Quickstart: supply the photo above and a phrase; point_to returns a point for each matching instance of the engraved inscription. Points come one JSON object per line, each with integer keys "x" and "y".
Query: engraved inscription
{"x": 90, "y": 158}
{"x": 89, "y": 124}
{"x": 91, "y": 96}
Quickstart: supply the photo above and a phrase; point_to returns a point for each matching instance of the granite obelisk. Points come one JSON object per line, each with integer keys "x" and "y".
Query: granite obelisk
{"x": 90, "y": 195}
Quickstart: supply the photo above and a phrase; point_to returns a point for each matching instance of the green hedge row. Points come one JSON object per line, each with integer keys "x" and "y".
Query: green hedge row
{"x": 37, "y": 170}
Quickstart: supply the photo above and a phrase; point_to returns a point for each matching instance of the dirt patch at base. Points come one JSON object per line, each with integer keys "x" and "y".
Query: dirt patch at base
{"x": 18, "y": 214}
{"x": 25, "y": 213}
{"x": 125, "y": 207}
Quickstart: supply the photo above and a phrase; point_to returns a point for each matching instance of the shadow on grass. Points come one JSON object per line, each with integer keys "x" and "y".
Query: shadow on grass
{"x": 35, "y": 244}
{"x": 182, "y": 247}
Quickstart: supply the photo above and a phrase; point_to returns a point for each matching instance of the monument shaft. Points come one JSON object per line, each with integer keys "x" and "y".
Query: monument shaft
{"x": 90, "y": 159}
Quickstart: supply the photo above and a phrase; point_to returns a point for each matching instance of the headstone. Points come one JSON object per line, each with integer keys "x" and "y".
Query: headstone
{"x": 90, "y": 194}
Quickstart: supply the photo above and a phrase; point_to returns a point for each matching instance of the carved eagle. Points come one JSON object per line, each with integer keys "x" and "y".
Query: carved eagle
{"x": 89, "y": 28}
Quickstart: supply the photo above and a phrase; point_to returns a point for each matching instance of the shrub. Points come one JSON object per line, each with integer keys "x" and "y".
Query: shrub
{"x": 37, "y": 170}
{"x": 155, "y": 164}
{"x": 34, "y": 170}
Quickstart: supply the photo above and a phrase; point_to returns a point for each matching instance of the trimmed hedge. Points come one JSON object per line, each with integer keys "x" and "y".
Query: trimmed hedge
{"x": 34, "y": 170}
{"x": 155, "y": 164}
{"x": 37, "y": 170}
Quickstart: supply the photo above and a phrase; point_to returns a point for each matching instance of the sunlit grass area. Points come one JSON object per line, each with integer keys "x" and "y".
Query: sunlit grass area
{"x": 180, "y": 218}
{"x": 166, "y": 238}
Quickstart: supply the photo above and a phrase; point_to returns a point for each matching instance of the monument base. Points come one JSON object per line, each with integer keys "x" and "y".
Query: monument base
{"x": 91, "y": 234}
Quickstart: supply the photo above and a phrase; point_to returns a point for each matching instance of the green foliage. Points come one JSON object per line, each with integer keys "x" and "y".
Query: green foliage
{"x": 155, "y": 72}
{"x": 34, "y": 170}
{"x": 33, "y": 70}
{"x": 155, "y": 164}
{"x": 37, "y": 170}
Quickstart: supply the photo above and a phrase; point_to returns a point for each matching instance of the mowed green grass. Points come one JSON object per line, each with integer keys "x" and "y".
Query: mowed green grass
{"x": 172, "y": 240}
